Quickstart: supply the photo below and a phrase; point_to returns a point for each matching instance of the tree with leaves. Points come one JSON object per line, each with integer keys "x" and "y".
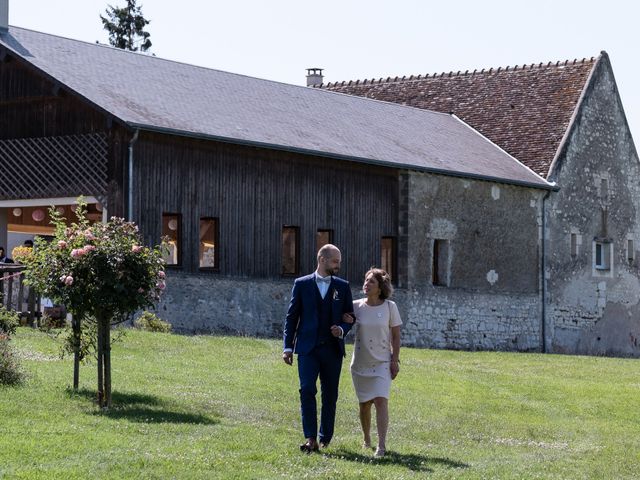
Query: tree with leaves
{"x": 126, "y": 27}
{"x": 101, "y": 273}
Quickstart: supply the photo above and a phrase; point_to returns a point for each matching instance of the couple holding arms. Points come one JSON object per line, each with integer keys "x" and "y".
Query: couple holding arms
{"x": 320, "y": 315}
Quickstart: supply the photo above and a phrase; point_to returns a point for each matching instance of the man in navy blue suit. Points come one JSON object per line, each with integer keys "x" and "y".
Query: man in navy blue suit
{"x": 314, "y": 330}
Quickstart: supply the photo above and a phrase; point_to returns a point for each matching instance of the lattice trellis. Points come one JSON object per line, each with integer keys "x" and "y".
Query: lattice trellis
{"x": 63, "y": 166}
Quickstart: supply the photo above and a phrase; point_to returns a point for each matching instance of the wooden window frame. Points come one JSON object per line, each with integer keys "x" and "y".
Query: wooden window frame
{"x": 394, "y": 255}
{"x": 324, "y": 230}
{"x": 216, "y": 243}
{"x": 296, "y": 230}
{"x": 179, "y": 241}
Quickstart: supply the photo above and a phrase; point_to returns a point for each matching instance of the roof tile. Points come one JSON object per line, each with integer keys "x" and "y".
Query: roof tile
{"x": 523, "y": 109}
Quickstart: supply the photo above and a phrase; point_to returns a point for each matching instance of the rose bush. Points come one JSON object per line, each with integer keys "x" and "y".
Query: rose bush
{"x": 98, "y": 271}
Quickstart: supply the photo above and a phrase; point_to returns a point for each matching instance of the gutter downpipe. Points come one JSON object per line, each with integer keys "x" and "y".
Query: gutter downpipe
{"x": 543, "y": 273}
{"x": 133, "y": 140}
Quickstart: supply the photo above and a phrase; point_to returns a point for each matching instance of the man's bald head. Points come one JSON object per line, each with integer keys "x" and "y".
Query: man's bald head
{"x": 329, "y": 259}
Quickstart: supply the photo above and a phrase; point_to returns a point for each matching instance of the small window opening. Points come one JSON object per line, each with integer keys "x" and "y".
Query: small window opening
{"x": 323, "y": 237}
{"x": 440, "y": 263}
{"x": 290, "y": 250}
{"x": 387, "y": 255}
{"x": 172, "y": 229}
{"x": 603, "y": 253}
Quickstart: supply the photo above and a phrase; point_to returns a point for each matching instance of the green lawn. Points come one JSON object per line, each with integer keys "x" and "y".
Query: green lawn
{"x": 223, "y": 407}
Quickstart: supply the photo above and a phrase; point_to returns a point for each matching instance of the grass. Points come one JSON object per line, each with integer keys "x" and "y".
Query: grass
{"x": 223, "y": 407}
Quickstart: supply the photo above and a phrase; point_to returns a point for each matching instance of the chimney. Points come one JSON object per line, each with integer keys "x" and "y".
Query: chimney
{"x": 4, "y": 16}
{"x": 314, "y": 76}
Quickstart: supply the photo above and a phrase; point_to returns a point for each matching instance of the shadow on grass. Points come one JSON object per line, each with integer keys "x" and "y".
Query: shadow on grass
{"x": 415, "y": 463}
{"x": 117, "y": 398}
{"x": 142, "y": 408}
{"x": 151, "y": 415}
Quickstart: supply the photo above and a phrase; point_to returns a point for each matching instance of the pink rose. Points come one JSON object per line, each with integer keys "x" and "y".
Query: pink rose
{"x": 62, "y": 244}
{"x": 63, "y": 278}
{"x": 68, "y": 281}
{"x": 89, "y": 236}
{"x": 88, "y": 248}
{"x": 161, "y": 274}
{"x": 141, "y": 290}
{"x": 161, "y": 285}
{"x": 136, "y": 248}
{"x": 77, "y": 252}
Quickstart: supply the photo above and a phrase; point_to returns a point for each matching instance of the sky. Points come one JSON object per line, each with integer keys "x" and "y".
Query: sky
{"x": 364, "y": 39}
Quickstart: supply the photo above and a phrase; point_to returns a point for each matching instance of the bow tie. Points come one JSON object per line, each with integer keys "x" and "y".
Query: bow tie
{"x": 326, "y": 280}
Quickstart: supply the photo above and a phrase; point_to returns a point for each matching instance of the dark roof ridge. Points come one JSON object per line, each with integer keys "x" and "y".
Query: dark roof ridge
{"x": 415, "y": 78}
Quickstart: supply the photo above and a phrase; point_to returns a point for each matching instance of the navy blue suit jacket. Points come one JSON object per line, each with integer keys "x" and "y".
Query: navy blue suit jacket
{"x": 301, "y": 322}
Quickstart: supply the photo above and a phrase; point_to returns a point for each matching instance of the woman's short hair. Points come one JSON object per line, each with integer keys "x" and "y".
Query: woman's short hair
{"x": 384, "y": 281}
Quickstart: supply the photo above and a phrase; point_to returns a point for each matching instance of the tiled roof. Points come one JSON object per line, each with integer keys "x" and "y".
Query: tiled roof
{"x": 525, "y": 110}
{"x": 151, "y": 93}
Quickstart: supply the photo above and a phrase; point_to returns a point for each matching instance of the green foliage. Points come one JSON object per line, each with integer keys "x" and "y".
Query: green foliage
{"x": 126, "y": 27}
{"x": 151, "y": 322}
{"x": 9, "y": 321}
{"x": 98, "y": 270}
{"x": 11, "y": 372}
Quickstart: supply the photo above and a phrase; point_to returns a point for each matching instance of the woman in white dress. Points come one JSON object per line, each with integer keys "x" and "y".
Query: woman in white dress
{"x": 376, "y": 353}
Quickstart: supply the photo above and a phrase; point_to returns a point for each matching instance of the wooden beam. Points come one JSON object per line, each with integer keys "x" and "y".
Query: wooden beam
{"x": 28, "y": 100}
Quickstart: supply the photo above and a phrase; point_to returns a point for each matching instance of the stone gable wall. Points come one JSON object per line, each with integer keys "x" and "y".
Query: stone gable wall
{"x": 591, "y": 310}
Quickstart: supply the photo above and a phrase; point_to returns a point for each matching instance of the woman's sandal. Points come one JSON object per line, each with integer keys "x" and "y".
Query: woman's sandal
{"x": 309, "y": 447}
{"x": 380, "y": 452}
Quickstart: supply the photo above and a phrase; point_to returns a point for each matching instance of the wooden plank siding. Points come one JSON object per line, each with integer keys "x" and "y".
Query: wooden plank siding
{"x": 254, "y": 192}
{"x": 33, "y": 106}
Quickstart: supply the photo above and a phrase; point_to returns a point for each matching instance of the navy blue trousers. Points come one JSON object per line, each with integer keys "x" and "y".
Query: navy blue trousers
{"x": 324, "y": 361}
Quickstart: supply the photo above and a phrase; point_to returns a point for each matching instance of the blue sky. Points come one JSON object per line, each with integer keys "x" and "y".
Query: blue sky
{"x": 357, "y": 39}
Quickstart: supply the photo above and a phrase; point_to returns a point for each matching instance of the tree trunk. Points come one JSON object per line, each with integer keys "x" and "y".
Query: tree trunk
{"x": 76, "y": 329}
{"x": 100, "y": 363}
{"x": 106, "y": 337}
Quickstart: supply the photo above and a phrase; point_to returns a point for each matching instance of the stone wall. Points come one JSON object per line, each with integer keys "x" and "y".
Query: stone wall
{"x": 490, "y": 231}
{"x": 594, "y": 310}
{"x": 455, "y": 319}
{"x": 433, "y": 317}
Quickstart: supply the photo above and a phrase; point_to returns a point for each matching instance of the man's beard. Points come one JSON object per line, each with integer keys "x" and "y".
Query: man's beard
{"x": 331, "y": 271}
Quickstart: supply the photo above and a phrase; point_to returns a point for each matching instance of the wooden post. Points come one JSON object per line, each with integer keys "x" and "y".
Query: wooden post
{"x": 106, "y": 325}
{"x": 10, "y": 292}
{"x": 20, "y": 305}
{"x": 100, "y": 364}
{"x": 31, "y": 305}
{"x": 1, "y": 286}
{"x": 76, "y": 328}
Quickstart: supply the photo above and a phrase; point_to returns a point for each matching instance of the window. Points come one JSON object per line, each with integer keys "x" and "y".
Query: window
{"x": 603, "y": 255}
{"x": 604, "y": 189}
{"x": 574, "y": 244}
{"x": 387, "y": 255}
{"x": 171, "y": 228}
{"x": 322, "y": 238}
{"x": 208, "y": 251}
{"x": 290, "y": 250}
{"x": 440, "y": 263}
{"x": 631, "y": 253}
